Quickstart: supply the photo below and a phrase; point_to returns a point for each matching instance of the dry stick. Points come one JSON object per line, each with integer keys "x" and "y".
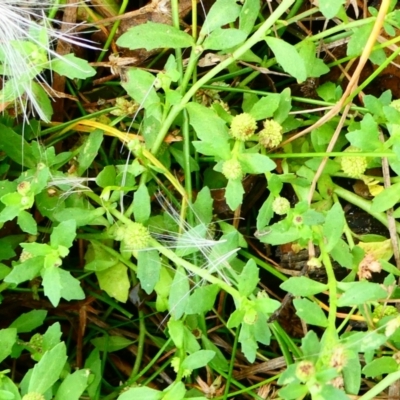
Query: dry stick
{"x": 354, "y": 80}
{"x": 391, "y": 221}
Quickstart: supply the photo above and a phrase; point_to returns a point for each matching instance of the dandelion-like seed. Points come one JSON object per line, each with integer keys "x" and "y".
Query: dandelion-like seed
{"x": 26, "y": 38}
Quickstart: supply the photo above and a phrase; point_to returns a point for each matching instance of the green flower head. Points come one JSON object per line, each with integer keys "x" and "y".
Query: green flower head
{"x": 243, "y": 126}
{"x": 232, "y": 169}
{"x": 271, "y": 135}
{"x": 355, "y": 166}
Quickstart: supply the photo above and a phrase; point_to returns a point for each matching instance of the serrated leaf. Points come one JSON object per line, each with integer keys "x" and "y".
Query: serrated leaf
{"x": 303, "y": 286}
{"x": 248, "y": 342}
{"x": 248, "y": 279}
{"x": 359, "y": 39}
{"x": 115, "y": 281}
{"x": 366, "y": 138}
{"x": 25, "y": 271}
{"x": 72, "y": 67}
{"x": 221, "y": 13}
{"x": 310, "y": 312}
{"x": 359, "y": 293}
{"x": 89, "y": 151}
{"x": 202, "y": 299}
{"x": 153, "y": 35}
{"x": 265, "y": 107}
{"x": 315, "y": 67}
{"x": 47, "y": 371}
{"x": 148, "y": 269}
{"x": 29, "y": 321}
{"x": 333, "y": 226}
{"x": 221, "y": 39}
{"x": 27, "y": 223}
{"x": 63, "y": 234}
{"x": 288, "y": 57}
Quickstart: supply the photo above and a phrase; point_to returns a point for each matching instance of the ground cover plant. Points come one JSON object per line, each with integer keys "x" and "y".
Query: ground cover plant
{"x": 198, "y": 200}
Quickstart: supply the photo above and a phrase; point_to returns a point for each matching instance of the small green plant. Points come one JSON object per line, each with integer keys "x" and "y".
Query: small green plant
{"x": 174, "y": 258}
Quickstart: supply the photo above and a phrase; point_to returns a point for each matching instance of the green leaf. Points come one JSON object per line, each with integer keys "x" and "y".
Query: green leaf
{"x": 27, "y": 223}
{"x": 262, "y": 333}
{"x": 94, "y": 364}
{"x": 315, "y": 67}
{"x": 107, "y": 176}
{"x": 141, "y": 204}
{"x": 221, "y": 39}
{"x": 141, "y": 393}
{"x": 265, "y": 213}
{"x": 52, "y": 336}
{"x": 29, "y": 321}
{"x": 203, "y": 206}
{"x": 25, "y": 271}
{"x": 352, "y": 373}
{"x": 234, "y": 193}
{"x": 179, "y": 294}
{"x": 202, "y": 299}
{"x": 221, "y": 13}
{"x": 111, "y": 343}
{"x": 176, "y": 391}
{"x": 155, "y": 36}
{"x": 293, "y": 391}
{"x": 310, "y": 346}
{"x": 63, "y": 234}
{"x": 255, "y": 163}
{"x": 341, "y": 254}
{"x": 16, "y": 147}
{"x": 47, "y": 371}
{"x": 249, "y": 278}
{"x": 98, "y": 259}
{"x": 279, "y": 234}
{"x": 89, "y": 151}
{"x": 367, "y": 138}
{"x": 115, "y": 281}
{"x": 198, "y": 359}
{"x": 248, "y": 342}
{"x": 8, "y": 337}
{"x": 148, "y": 269}
{"x": 310, "y": 312}
{"x": 386, "y": 199}
{"x": 210, "y": 128}
{"x": 248, "y": 15}
{"x": 380, "y": 366}
{"x": 303, "y": 286}
{"x": 81, "y": 216}
{"x": 44, "y": 108}
{"x": 73, "y": 386}
{"x": 330, "y": 8}
{"x": 359, "y": 39}
{"x": 58, "y": 283}
{"x": 139, "y": 85}
{"x": 288, "y": 57}
{"x": 219, "y": 361}
{"x": 360, "y": 292}
{"x": 265, "y": 107}
{"x": 72, "y": 67}
{"x": 333, "y": 226}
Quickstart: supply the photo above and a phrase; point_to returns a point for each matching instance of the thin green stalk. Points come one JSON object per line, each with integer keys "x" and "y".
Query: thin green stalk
{"x": 231, "y": 364}
{"x": 255, "y": 38}
{"x": 140, "y": 345}
{"x": 113, "y": 31}
{"x": 381, "y": 386}
{"x": 364, "y": 205}
{"x": 333, "y": 154}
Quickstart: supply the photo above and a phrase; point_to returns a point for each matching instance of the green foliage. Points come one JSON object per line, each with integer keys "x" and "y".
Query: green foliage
{"x": 89, "y": 236}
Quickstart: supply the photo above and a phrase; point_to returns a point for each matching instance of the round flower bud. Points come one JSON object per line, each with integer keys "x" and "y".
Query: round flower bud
{"x": 23, "y": 188}
{"x": 232, "y": 169}
{"x": 305, "y": 370}
{"x": 136, "y": 236}
{"x": 271, "y": 135}
{"x": 280, "y": 206}
{"x": 243, "y": 126}
{"x": 355, "y": 166}
{"x": 33, "y": 396}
